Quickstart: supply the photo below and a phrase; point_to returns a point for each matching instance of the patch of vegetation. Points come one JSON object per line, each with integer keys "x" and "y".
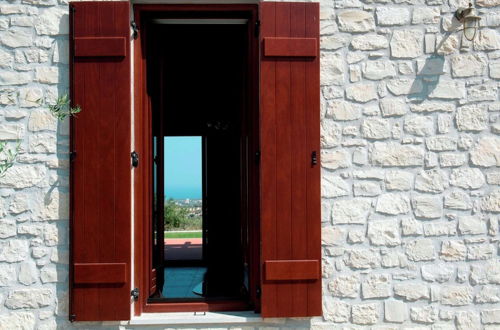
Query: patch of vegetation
{"x": 7, "y": 156}
{"x": 184, "y": 234}
{"x": 177, "y": 218}
{"x": 62, "y": 108}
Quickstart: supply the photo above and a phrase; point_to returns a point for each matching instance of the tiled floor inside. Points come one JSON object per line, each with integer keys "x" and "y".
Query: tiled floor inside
{"x": 181, "y": 281}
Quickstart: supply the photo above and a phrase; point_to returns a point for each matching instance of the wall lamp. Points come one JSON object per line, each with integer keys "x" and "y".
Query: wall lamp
{"x": 469, "y": 18}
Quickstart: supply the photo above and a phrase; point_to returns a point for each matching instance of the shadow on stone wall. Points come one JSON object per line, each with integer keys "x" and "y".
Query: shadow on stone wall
{"x": 427, "y": 78}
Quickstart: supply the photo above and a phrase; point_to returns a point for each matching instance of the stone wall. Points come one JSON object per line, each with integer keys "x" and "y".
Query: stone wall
{"x": 411, "y": 197}
{"x": 410, "y": 165}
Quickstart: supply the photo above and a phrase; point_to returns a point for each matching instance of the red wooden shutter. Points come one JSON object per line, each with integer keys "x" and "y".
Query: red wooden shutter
{"x": 290, "y": 178}
{"x": 101, "y": 169}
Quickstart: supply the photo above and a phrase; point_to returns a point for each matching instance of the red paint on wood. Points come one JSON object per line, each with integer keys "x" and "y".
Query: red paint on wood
{"x": 290, "y": 47}
{"x": 100, "y": 46}
{"x": 101, "y": 171}
{"x": 291, "y": 270}
{"x": 100, "y": 273}
{"x": 290, "y": 194}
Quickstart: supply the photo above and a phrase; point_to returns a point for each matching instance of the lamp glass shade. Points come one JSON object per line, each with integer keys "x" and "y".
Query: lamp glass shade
{"x": 470, "y": 27}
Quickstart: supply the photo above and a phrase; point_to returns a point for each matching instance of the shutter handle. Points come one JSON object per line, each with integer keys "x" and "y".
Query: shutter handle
{"x": 135, "y": 30}
{"x": 314, "y": 158}
{"x": 135, "y": 158}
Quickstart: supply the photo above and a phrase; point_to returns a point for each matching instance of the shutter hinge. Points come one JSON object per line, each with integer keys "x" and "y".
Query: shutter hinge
{"x": 135, "y": 30}
{"x": 314, "y": 158}
{"x": 135, "y": 158}
{"x": 72, "y": 317}
{"x": 72, "y": 155}
{"x": 135, "y": 294}
{"x": 257, "y": 292}
{"x": 257, "y": 28}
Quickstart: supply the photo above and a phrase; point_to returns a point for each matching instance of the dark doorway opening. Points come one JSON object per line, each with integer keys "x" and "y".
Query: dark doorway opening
{"x": 199, "y": 84}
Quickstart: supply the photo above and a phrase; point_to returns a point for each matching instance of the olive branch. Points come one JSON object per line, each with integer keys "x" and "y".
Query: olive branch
{"x": 8, "y": 156}
{"x": 62, "y": 108}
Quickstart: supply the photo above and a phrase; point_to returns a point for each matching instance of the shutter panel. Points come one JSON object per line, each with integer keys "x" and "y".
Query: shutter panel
{"x": 101, "y": 169}
{"x": 290, "y": 180}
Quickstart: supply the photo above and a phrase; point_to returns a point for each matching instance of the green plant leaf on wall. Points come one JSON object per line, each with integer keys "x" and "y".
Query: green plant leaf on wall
{"x": 62, "y": 108}
{"x": 8, "y": 156}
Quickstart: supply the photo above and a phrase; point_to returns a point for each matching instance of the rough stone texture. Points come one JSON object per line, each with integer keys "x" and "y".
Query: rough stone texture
{"x": 410, "y": 186}
{"x": 427, "y": 207}
{"x": 427, "y": 314}
{"x": 345, "y": 286}
{"x": 356, "y": 21}
{"x": 393, "y": 203}
{"x": 467, "y": 320}
{"x": 365, "y": 314}
{"x": 394, "y": 155}
{"x": 376, "y": 286}
{"x": 34, "y": 298}
{"x": 472, "y": 118}
{"x": 361, "y": 93}
{"x": 407, "y": 43}
{"x": 467, "y": 178}
{"x": 395, "y": 311}
{"x": 384, "y": 232}
{"x": 350, "y": 211}
{"x": 431, "y": 181}
{"x": 376, "y": 129}
{"x": 420, "y": 250}
{"x": 468, "y": 65}
{"x": 371, "y": 42}
{"x": 437, "y": 273}
{"x": 419, "y": 125}
{"x": 411, "y": 292}
{"x": 456, "y": 295}
{"x": 486, "y": 152}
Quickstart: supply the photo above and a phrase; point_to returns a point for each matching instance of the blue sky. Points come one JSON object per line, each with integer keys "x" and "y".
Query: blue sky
{"x": 183, "y": 170}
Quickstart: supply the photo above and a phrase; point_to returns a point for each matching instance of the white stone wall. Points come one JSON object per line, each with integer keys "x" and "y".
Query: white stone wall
{"x": 410, "y": 156}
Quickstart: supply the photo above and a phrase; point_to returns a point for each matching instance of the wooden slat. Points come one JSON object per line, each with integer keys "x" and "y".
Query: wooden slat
{"x": 283, "y": 159}
{"x": 100, "y": 273}
{"x": 298, "y": 171}
{"x": 100, "y": 46}
{"x": 291, "y": 270}
{"x": 290, "y": 47}
{"x": 313, "y": 213}
{"x": 268, "y": 158}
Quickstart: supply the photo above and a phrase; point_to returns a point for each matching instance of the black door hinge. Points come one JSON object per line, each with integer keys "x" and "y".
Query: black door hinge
{"x": 135, "y": 158}
{"x": 257, "y": 28}
{"x": 72, "y": 155}
{"x": 135, "y": 294}
{"x": 135, "y": 30}
{"x": 257, "y": 156}
{"x": 314, "y": 158}
{"x": 72, "y": 317}
{"x": 258, "y": 292}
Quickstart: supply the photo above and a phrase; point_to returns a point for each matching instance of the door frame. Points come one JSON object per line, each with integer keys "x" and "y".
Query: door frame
{"x": 143, "y": 192}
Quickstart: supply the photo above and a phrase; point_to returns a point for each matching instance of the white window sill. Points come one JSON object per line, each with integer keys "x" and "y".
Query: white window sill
{"x": 192, "y": 318}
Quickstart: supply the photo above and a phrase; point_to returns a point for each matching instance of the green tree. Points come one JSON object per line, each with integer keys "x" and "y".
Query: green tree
{"x": 175, "y": 215}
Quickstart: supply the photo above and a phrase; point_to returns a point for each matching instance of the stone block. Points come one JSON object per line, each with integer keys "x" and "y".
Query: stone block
{"x": 356, "y": 21}
{"x": 407, "y": 43}
{"x": 365, "y": 314}
{"x": 395, "y": 311}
